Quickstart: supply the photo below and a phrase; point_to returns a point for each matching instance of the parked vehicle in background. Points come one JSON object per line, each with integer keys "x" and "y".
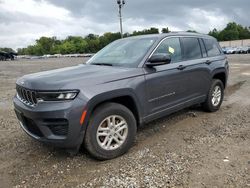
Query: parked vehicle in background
{"x": 236, "y": 50}
{"x": 7, "y": 56}
{"x": 230, "y": 50}
{"x": 243, "y": 50}
{"x": 130, "y": 82}
{"x": 224, "y": 49}
{"x": 2, "y": 56}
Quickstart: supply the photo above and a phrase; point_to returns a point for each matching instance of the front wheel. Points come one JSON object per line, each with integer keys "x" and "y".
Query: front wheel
{"x": 214, "y": 96}
{"x": 111, "y": 131}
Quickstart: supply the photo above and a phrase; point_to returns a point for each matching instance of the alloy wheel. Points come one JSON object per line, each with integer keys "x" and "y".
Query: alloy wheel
{"x": 112, "y": 132}
{"x": 216, "y": 96}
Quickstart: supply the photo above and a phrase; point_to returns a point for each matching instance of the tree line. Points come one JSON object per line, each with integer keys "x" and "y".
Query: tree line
{"x": 93, "y": 43}
{"x": 77, "y": 44}
{"x": 7, "y": 50}
{"x": 232, "y": 31}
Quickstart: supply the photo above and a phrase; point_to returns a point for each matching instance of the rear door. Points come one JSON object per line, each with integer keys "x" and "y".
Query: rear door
{"x": 197, "y": 63}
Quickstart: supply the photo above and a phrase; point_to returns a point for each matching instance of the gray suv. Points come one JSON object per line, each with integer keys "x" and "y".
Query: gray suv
{"x": 130, "y": 82}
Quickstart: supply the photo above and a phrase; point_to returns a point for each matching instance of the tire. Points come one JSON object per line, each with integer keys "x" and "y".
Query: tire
{"x": 110, "y": 112}
{"x": 211, "y": 105}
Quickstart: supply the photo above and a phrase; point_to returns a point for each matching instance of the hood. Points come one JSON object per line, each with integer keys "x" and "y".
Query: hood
{"x": 70, "y": 77}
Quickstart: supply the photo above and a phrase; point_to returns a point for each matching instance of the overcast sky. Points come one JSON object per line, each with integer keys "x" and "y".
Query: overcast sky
{"x": 23, "y": 21}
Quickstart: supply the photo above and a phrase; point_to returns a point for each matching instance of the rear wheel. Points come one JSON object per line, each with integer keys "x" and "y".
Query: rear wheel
{"x": 215, "y": 96}
{"x": 111, "y": 131}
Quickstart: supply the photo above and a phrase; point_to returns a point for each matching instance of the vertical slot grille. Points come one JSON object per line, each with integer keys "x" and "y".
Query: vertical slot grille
{"x": 26, "y": 96}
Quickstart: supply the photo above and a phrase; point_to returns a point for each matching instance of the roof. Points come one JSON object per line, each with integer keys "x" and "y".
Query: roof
{"x": 163, "y": 35}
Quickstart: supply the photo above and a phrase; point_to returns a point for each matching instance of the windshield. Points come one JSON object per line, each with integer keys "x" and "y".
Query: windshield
{"x": 126, "y": 52}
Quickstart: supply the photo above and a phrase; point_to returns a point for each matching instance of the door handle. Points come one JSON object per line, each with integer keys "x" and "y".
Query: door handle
{"x": 208, "y": 62}
{"x": 181, "y": 67}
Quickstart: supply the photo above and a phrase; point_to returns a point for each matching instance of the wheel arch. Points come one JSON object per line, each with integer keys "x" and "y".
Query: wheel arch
{"x": 221, "y": 75}
{"x": 125, "y": 97}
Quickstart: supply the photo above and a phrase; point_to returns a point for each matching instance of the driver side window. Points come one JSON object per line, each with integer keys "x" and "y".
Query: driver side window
{"x": 171, "y": 46}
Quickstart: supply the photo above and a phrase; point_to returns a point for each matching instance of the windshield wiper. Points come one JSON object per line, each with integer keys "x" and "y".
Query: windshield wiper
{"x": 102, "y": 64}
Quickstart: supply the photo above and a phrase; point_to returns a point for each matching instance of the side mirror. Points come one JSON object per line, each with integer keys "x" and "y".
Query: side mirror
{"x": 159, "y": 59}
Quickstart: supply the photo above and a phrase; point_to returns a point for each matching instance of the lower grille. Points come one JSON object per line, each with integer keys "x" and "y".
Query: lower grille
{"x": 26, "y": 96}
{"x": 58, "y": 127}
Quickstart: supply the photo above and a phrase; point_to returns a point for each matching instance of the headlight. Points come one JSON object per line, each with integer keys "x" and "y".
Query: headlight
{"x": 57, "y": 96}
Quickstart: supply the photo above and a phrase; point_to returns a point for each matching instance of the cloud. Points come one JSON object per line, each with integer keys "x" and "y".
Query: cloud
{"x": 23, "y": 22}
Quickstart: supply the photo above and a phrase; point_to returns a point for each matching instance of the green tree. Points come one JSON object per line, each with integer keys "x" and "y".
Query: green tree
{"x": 79, "y": 43}
{"x": 91, "y": 36}
{"x": 214, "y": 33}
{"x": 231, "y": 32}
{"x": 108, "y": 38}
{"x": 165, "y": 30}
{"x": 44, "y": 45}
{"x": 192, "y": 31}
{"x": 93, "y": 45}
{"x": 67, "y": 47}
{"x": 8, "y": 50}
{"x": 244, "y": 32}
{"x": 152, "y": 30}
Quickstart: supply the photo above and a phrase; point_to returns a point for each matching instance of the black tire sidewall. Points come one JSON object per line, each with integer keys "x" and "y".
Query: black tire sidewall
{"x": 209, "y": 106}
{"x": 98, "y": 116}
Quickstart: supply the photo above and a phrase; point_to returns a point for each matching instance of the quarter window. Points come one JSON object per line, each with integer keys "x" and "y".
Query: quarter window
{"x": 203, "y": 49}
{"x": 212, "y": 47}
{"x": 191, "y": 48}
{"x": 171, "y": 46}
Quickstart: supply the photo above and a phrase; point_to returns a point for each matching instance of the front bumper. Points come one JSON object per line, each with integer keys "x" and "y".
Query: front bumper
{"x": 54, "y": 123}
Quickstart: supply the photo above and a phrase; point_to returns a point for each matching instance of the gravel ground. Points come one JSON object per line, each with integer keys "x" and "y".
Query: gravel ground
{"x": 190, "y": 148}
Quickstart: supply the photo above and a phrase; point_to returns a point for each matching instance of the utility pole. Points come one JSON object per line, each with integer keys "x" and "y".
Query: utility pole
{"x": 120, "y": 3}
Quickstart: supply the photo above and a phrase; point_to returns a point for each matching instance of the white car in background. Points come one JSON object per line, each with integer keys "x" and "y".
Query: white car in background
{"x": 230, "y": 50}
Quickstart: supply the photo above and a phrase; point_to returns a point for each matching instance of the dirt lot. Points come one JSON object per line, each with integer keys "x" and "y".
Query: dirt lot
{"x": 190, "y": 148}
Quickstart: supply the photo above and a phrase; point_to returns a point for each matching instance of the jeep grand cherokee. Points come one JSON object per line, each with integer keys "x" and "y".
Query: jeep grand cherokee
{"x": 130, "y": 82}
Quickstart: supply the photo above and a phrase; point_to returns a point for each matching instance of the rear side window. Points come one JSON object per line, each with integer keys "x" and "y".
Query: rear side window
{"x": 171, "y": 46}
{"x": 191, "y": 48}
{"x": 212, "y": 47}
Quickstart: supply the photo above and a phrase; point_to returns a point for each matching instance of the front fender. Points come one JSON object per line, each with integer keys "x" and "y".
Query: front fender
{"x": 108, "y": 96}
